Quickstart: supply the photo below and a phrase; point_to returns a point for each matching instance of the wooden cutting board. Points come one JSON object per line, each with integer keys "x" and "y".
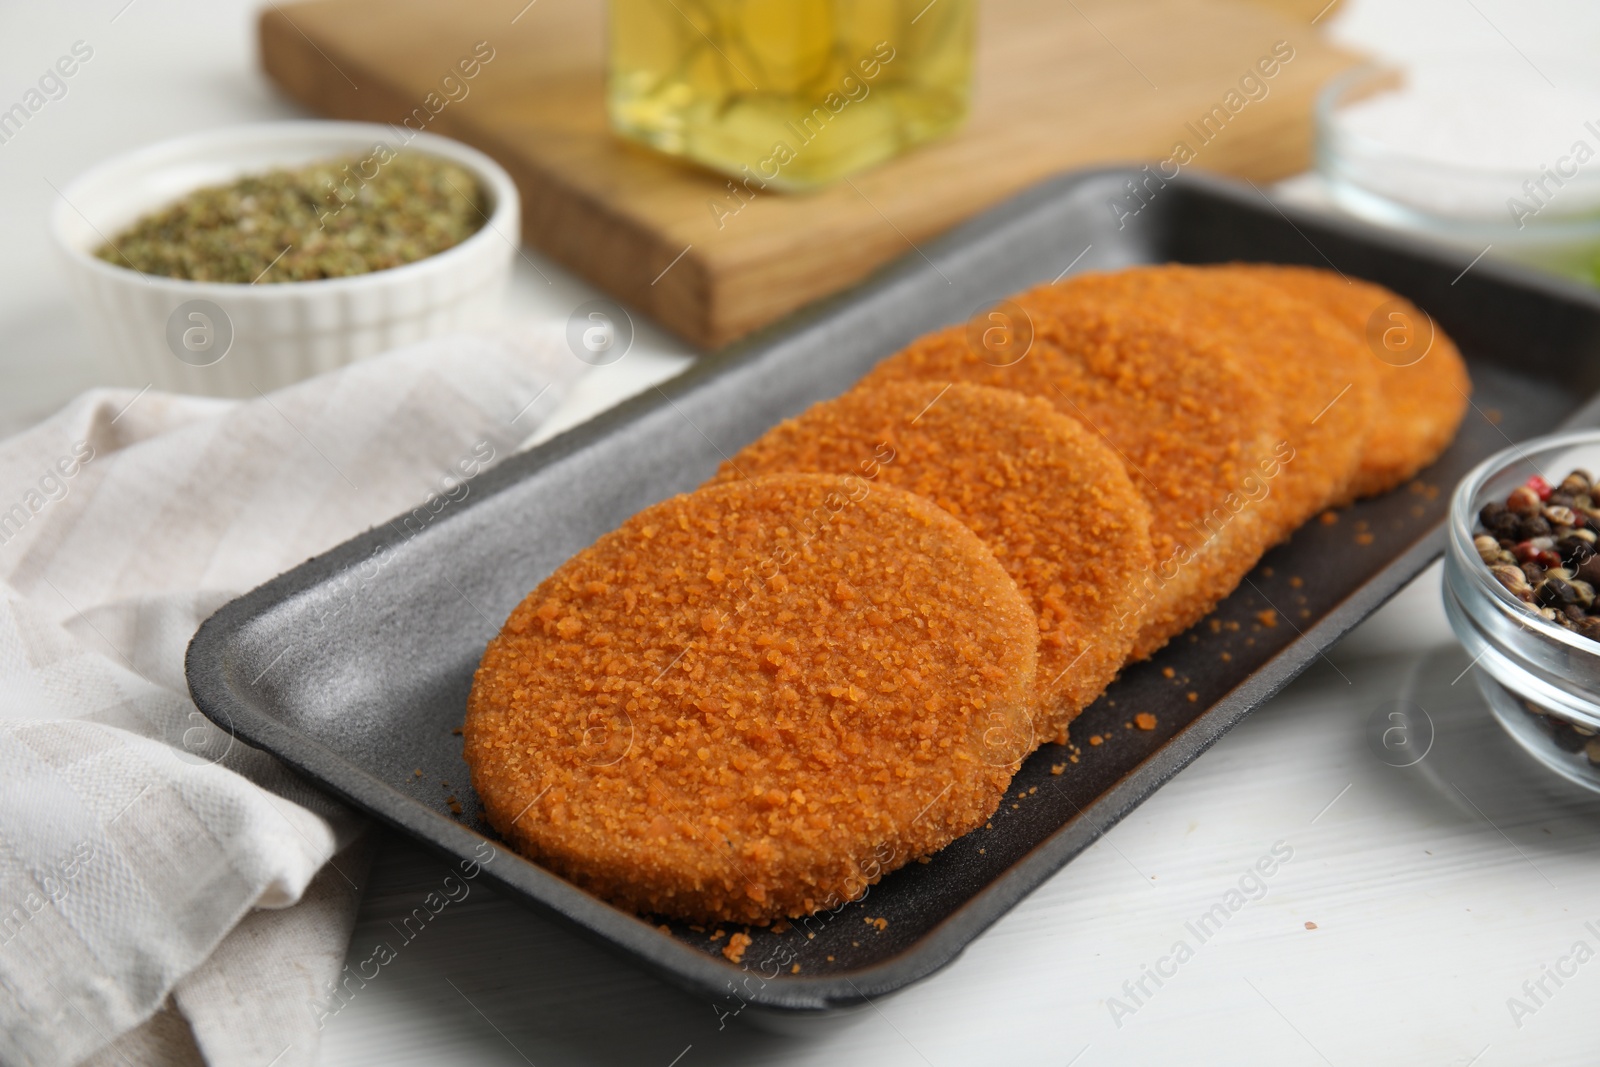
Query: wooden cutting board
{"x": 1059, "y": 84}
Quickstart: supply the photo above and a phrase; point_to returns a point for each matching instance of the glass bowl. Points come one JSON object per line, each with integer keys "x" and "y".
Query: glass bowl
{"x": 1452, "y": 154}
{"x": 1542, "y": 681}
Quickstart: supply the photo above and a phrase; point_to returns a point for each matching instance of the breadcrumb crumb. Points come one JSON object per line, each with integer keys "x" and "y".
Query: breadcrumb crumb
{"x": 736, "y": 946}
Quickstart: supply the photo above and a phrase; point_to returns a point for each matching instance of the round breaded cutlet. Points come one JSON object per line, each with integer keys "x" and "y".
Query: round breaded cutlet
{"x": 1322, "y": 378}
{"x": 752, "y": 700}
{"x": 1195, "y": 432}
{"x": 1423, "y": 387}
{"x": 1046, "y": 494}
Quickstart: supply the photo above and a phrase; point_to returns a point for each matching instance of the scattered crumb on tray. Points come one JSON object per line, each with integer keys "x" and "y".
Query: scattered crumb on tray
{"x": 736, "y": 946}
{"x": 1145, "y": 720}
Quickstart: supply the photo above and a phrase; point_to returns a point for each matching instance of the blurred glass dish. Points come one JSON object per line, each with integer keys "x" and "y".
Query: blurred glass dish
{"x": 1542, "y": 681}
{"x": 1469, "y": 156}
{"x": 790, "y": 93}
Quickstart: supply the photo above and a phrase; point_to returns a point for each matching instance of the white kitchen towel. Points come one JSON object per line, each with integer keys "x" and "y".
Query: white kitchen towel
{"x": 159, "y": 881}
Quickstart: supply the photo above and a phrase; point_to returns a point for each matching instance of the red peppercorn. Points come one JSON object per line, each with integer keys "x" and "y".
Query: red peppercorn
{"x": 1540, "y": 486}
{"x": 1528, "y": 552}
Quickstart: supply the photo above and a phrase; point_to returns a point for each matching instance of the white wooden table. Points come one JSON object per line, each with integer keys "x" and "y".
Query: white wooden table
{"x": 1437, "y": 891}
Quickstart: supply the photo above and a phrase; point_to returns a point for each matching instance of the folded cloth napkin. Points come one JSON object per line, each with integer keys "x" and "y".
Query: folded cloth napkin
{"x": 160, "y": 894}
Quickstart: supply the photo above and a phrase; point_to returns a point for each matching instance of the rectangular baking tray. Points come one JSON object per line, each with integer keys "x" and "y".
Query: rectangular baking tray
{"x": 358, "y": 681}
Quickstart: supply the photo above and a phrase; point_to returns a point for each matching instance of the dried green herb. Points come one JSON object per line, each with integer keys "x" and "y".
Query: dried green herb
{"x": 330, "y": 219}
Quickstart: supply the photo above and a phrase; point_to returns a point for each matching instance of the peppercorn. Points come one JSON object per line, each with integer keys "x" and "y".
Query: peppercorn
{"x": 1498, "y": 520}
{"x": 1554, "y": 593}
{"x": 1537, "y": 526}
{"x": 1576, "y": 482}
{"x": 1558, "y": 515}
{"x": 1589, "y": 627}
{"x": 1515, "y": 581}
{"x": 1566, "y": 738}
{"x": 1523, "y": 501}
{"x": 1540, "y": 550}
{"x": 1572, "y": 550}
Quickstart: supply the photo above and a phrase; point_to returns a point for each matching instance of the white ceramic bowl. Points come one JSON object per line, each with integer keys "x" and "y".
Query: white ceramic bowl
{"x": 223, "y": 339}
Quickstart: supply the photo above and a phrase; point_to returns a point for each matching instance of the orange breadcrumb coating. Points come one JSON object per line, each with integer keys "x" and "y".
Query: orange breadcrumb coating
{"x": 1418, "y": 406}
{"x": 734, "y": 706}
{"x": 1043, "y": 492}
{"x": 1323, "y": 378}
{"x": 1196, "y": 433}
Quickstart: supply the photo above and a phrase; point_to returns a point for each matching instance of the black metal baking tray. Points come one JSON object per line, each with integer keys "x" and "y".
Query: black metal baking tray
{"x": 358, "y": 680}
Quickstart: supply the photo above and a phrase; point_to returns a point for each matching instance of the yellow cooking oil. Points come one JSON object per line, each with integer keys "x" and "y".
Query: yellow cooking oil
{"x": 795, "y": 93}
